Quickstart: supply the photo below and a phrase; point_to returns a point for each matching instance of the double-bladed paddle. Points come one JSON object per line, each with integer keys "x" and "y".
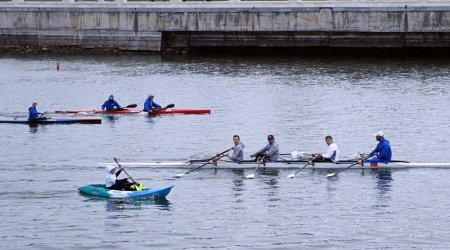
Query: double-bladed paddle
{"x": 208, "y": 162}
{"x": 252, "y": 175}
{"x": 169, "y": 106}
{"x": 309, "y": 162}
{"x": 123, "y": 108}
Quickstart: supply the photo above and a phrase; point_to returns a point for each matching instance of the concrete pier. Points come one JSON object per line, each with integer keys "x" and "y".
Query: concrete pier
{"x": 168, "y": 26}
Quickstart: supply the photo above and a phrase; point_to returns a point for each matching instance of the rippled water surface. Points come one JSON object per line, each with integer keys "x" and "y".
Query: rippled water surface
{"x": 298, "y": 99}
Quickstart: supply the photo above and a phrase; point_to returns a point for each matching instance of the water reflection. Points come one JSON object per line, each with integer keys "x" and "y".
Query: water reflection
{"x": 116, "y": 205}
{"x": 238, "y": 181}
{"x": 33, "y": 128}
{"x": 113, "y": 205}
{"x": 111, "y": 118}
{"x": 384, "y": 179}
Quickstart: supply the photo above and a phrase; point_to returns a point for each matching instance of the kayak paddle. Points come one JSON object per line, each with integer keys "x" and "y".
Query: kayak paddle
{"x": 131, "y": 106}
{"x": 123, "y": 108}
{"x": 169, "y": 106}
{"x": 208, "y": 162}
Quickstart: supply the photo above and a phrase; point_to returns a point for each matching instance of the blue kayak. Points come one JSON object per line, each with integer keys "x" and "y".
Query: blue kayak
{"x": 101, "y": 191}
{"x": 55, "y": 121}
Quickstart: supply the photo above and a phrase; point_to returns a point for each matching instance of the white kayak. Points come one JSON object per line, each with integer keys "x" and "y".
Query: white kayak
{"x": 283, "y": 164}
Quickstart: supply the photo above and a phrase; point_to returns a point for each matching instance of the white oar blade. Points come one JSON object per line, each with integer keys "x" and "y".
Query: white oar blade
{"x": 179, "y": 175}
{"x": 331, "y": 175}
{"x": 250, "y": 176}
{"x": 291, "y": 176}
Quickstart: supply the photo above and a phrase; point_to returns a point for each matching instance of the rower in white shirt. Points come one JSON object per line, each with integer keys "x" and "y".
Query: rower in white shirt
{"x": 332, "y": 153}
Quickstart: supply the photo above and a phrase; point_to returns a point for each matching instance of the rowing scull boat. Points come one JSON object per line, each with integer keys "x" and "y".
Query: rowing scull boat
{"x": 288, "y": 164}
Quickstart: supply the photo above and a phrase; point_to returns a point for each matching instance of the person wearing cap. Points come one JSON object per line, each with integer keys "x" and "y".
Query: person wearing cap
{"x": 150, "y": 104}
{"x": 382, "y": 152}
{"x": 110, "y": 104}
{"x": 270, "y": 152}
{"x": 33, "y": 114}
{"x": 332, "y": 154}
{"x": 117, "y": 184}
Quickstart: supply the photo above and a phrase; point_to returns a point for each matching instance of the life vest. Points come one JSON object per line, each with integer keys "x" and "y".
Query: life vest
{"x": 137, "y": 186}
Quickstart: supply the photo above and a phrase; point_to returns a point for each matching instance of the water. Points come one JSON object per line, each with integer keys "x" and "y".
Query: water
{"x": 299, "y": 100}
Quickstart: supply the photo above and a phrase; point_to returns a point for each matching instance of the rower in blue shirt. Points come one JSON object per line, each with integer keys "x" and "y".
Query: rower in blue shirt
{"x": 150, "y": 104}
{"x": 110, "y": 104}
{"x": 33, "y": 114}
{"x": 382, "y": 153}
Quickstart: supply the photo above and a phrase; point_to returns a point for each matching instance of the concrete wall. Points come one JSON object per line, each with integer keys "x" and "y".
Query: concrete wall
{"x": 154, "y": 29}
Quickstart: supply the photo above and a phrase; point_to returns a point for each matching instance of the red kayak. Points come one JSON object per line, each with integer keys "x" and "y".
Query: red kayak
{"x": 96, "y": 111}
{"x": 180, "y": 111}
{"x": 136, "y": 111}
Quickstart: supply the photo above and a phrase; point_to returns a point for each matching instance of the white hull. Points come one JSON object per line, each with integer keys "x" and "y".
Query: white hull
{"x": 284, "y": 165}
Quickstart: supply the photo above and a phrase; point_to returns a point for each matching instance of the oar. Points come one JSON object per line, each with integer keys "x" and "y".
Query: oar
{"x": 208, "y": 162}
{"x": 334, "y": 174}
{"x": 252, "y": 175}
{"x": 309, "y": 162}
{"x": 120, "y": 166}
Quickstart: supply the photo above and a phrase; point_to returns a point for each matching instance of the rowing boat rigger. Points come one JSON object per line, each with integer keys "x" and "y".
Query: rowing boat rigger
{"x": 283, "y": 164}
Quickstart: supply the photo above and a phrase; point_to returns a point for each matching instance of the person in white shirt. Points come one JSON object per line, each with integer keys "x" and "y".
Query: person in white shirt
{"x": 332, "y": 153}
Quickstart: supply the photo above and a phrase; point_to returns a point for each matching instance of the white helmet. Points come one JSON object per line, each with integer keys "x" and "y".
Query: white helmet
{"x": 109, "y": 168}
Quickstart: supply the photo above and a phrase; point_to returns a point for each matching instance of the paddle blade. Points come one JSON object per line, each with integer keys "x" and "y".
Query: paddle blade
{"x": 131, "y": 106}
{"x": 179, "y": 175}
{"x": 170, "y": 106}
{"x": 291, "y": 176}
{"x": 250, "y": 176}
{"x": 331, "y": 175}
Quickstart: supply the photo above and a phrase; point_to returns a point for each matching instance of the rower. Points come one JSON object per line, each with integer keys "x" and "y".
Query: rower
{"x": 332, "y": 154}
{"x": 120, "y": 184}
{"x": 236, "y": 156}
{"x": 269, "y": 152}
{"x": 382, "y": 152}
{"x": 150, "y": 104}
{"x": 33, "y": 114}
{"x": 238, "y": 150}
{"x": 110, "y": 104}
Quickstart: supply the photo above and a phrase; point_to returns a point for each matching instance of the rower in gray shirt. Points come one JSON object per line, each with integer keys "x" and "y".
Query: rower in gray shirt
{"x": 271, "y": 150}
{"x": 237, "y": 155}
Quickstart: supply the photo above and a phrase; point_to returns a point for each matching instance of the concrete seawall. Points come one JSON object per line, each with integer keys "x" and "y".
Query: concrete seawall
{"x": 166, "y": 29}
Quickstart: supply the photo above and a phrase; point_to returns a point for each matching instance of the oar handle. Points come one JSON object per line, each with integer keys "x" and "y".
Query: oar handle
{"x": 208, "y": 162}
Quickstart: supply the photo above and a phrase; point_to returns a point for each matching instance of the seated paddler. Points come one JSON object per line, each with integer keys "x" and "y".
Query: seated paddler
{"x": 112, "y": 182}
{"x": 110, "y": 104}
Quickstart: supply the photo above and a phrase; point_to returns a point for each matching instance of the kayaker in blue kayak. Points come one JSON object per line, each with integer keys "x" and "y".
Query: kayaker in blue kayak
{"x": 33, "y": 114}
{"x": 110, "y": 104}
{"x": 120, "y": 184}
{"x": 149, "y": 104}
{"x": 382, "y": 152}
{"x": 270, "y": 152}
